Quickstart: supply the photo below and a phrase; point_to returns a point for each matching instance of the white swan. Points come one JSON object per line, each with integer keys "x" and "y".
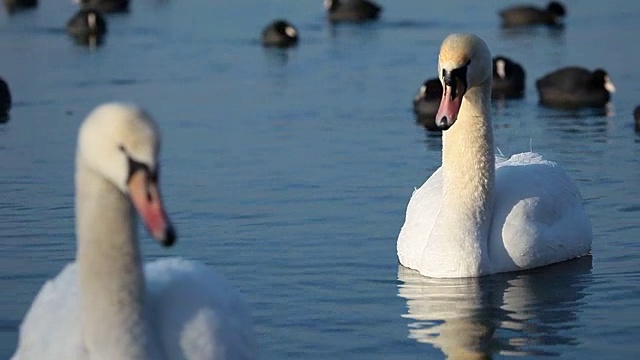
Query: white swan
{"x": 478, "y": 214}
{"x": 104, "y": 306}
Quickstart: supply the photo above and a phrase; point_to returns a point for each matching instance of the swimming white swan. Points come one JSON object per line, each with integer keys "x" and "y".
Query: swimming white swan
{"x": 478, "y": 214}
{"x": 104, "y": 306}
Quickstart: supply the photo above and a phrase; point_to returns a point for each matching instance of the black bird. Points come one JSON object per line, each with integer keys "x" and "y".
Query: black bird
{"x": 16, "y": 5}
{"x": 575, "y": 87}
{"x": 351, "y": 10}
{"x": 87, "y": 26}
{"x": 279, "y": 33}
{"x": 524, "y": 15}
{"x": 508, "y": 79}
{"x": 636, "y": 117}
{"x": 5, "y": 101}
{"x": 105, "y": 6}
{"x": 426, "y": 103}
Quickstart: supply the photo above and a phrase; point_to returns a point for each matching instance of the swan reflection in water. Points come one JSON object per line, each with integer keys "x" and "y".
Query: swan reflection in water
{"x": 523, "y": 313}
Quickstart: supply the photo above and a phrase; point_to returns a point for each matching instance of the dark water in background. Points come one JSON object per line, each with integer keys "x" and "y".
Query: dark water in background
{"x": 289, "y": 172}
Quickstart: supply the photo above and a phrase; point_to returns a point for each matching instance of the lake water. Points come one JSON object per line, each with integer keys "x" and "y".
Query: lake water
{"x": 290, "y": 171}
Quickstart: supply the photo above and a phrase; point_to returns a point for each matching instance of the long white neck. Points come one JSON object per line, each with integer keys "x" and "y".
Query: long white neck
{"x": 111, "y": 280}
{"x": 468, "y": 165}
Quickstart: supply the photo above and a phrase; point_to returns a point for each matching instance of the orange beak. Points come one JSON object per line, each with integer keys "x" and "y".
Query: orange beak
{"x": 450, "y": 105}
{"x": 145, "y": 195}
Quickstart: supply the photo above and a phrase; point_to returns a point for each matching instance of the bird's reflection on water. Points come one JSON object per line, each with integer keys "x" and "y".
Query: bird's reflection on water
{"x": 507, "y": 314}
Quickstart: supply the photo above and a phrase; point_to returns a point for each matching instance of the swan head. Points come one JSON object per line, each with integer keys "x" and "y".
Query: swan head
{"x": 120, "y": 143}
{"x": 464, "y": 62}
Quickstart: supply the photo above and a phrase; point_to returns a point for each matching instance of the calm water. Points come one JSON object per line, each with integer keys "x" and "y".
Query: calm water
{"x": 289, "y": 172}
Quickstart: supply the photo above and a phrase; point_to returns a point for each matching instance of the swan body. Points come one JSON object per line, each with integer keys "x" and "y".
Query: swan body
{"x": 478, "y": 214}
{"x": 106, "y": 305}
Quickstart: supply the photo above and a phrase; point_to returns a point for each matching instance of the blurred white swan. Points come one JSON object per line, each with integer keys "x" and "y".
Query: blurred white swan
{"x": 104, "y": 306}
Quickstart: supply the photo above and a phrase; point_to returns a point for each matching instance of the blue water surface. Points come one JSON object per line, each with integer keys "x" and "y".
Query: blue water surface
{"x": 289, "y": 171}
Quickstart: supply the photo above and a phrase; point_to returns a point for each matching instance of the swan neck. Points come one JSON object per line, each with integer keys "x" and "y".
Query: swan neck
{"x": 111, "y": 280}
{"x": 468, "y": 164}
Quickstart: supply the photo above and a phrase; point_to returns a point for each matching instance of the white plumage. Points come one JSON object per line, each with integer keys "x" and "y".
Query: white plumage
{"x": 107, "y": 305}
{"x": 198, "y": 315}
{"x": 477, "y": 214}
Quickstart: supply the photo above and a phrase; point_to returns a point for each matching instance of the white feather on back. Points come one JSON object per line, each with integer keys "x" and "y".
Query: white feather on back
{"x": 196, "y": 314}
